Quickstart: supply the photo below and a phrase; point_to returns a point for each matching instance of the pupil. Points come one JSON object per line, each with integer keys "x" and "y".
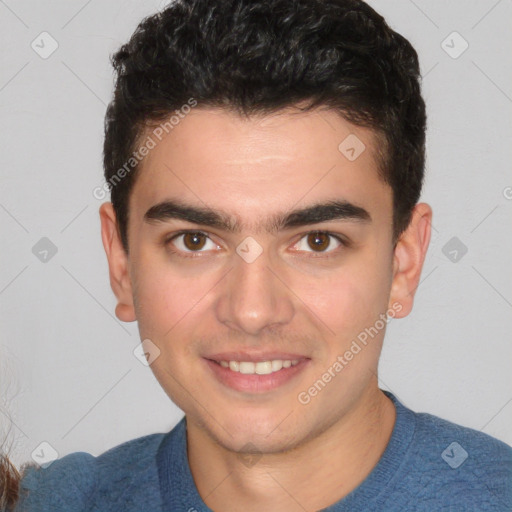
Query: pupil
{"x": 318, "y": 241}
{"x": 194, "y": 241}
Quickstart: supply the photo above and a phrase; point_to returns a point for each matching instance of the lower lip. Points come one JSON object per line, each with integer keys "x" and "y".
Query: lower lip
{"x": 255, "y": 383}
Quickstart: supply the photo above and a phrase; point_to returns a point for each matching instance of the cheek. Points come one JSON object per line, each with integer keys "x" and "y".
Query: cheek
{"x": 350, "y": 298}
{"x": 167, "y": 309}
{"x": 165, "y": 298}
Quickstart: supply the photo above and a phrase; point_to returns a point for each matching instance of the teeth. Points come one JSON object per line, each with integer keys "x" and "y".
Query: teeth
{"x": 277, "y": 364}
{"x": 259, "y": 368}
{"x": 263, "y": 367}
{"x": 246, "y": 367}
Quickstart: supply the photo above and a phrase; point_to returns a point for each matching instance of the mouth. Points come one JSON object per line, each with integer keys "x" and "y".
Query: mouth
{"x": 256, "y": 374}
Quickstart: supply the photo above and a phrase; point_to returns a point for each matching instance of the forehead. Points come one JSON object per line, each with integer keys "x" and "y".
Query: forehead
{"x": 248, "y": 166}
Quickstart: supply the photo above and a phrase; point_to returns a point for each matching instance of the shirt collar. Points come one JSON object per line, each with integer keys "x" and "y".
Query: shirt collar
{"x": 179, "y": 492}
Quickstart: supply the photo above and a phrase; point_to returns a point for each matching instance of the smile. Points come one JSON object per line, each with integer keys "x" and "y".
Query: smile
{"x": 256, "y": 376}
{"x": 259, "y": 368}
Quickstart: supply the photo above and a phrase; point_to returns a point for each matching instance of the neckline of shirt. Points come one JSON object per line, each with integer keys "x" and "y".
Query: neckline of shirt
{"x": 179, "y": 492}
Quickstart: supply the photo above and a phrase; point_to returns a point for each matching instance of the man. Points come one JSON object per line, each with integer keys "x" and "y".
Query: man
{"x": 265, "y": 161}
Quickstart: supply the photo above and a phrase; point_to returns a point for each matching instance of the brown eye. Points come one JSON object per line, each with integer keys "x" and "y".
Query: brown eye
{"x": 191, "y": 242}
{"x": 319, "y": 241}
{"x": 194, "y": 241}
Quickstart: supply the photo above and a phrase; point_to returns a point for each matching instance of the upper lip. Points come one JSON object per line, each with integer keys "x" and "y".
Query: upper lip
{"x": 254, "y": 356}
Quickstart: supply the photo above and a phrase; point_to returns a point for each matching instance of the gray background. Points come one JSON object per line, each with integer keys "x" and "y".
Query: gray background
{"x": 68, "y": 374}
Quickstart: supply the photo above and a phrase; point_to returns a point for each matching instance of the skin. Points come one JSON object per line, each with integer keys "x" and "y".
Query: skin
{"x": 293, "y": 298}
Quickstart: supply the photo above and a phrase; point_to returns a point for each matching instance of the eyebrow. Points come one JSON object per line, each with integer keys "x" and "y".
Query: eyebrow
{"x": 313, "y": 214}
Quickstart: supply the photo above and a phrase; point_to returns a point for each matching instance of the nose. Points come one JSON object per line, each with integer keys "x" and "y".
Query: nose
{"x": 253, "y": 297}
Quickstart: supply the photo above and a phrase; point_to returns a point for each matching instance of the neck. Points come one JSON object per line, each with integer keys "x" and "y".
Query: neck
{"x": 333, "y": 464}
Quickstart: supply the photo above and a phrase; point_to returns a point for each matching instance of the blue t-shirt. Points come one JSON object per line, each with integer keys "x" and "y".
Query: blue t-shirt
{"x": 429, "y": 464}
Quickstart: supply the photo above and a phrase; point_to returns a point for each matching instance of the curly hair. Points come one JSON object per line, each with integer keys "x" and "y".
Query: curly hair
{"x": 9, "y": 484}
{"x": 259, "y": 56}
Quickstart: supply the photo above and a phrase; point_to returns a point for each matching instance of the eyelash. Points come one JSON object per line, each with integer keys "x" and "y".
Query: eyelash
{"x": 196, "y": 254}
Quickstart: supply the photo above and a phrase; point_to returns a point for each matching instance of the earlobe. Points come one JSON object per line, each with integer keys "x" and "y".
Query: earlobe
{"x": 117, "y": 263}
{"x": 409, "y": 256}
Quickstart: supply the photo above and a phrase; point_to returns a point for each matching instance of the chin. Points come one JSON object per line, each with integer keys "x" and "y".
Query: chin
{"x": 264, "y": 433}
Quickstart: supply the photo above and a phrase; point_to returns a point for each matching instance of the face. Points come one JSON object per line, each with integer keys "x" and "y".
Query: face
{"x": 259, "y": 246}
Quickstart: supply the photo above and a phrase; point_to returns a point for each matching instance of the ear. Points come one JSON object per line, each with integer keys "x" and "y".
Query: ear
{"x": 117, "y": 263}
{"x": 408, "y": 258}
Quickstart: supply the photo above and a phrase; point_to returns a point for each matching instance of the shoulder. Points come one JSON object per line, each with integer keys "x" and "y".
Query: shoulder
{"x": 65, "y": 482}
{"x": 458, "y": 445}
{"x": 458, "y": 466}
{"x": 78, "y": 480}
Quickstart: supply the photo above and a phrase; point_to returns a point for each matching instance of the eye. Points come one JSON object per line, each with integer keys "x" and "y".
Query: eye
{"x": 192, "y": 241}
{"x": 319, "y": 241}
